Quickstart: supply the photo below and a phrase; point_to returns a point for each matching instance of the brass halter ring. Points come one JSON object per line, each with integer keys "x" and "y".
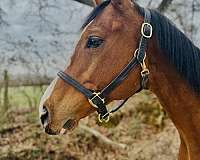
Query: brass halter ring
{"x": 106, "y": 120}
{"x": 135, "y": 53}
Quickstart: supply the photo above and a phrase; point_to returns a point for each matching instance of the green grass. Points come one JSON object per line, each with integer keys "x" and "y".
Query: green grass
{"x": 23, "y": 96}
{"x": 24, "y": 99}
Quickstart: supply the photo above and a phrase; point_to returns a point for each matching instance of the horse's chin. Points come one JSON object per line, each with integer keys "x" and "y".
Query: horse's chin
{"x": 69, "y": 125}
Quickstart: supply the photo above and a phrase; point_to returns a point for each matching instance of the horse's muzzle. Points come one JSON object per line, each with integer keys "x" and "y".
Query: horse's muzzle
{"x": 44, "y": 117}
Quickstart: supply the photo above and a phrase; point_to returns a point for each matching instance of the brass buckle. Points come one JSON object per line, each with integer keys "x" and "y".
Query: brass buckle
{"x": 151, "y": 30}
{"x": 106, "y": 120}
{"x": 96, "y": 94}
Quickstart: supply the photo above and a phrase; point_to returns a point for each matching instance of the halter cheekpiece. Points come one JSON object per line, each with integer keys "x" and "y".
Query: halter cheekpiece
{"x": 98, "y": 98}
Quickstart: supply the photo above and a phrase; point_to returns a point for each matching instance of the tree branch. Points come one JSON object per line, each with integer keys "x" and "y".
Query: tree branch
{"x": 164, "y": 5}
{"x": 102, "y": 137}
{"x": 2, "y": 21}
{"x": 86, "y": 2}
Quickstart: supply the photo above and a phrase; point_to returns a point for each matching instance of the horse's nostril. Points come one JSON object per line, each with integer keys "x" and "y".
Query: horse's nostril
{"x": 44, "y": 116}
{"x": 44, "y": 109}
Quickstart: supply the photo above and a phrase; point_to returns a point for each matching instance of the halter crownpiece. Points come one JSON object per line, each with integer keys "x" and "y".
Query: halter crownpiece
{"x": 98, "y": 99}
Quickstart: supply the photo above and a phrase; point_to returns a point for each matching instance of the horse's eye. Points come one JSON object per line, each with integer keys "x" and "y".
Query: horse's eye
{"x": 94, "y": 42}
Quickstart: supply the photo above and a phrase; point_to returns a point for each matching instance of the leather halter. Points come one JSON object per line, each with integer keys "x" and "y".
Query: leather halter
{"x": 98, "y": 98}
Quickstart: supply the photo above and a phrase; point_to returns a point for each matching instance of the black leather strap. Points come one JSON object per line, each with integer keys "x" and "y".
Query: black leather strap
{"x": 123, "y": 75}
{"x": 134, "y": 61}
{"x": 143, "y": 41}
{"x": 68, "y": 79}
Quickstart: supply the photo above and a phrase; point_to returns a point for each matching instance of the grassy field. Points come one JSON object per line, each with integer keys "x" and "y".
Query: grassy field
{"x": 24, "y": 96}
{"x": 142, "y": 126}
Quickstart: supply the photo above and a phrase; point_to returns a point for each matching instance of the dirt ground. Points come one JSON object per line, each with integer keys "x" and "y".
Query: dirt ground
{"x": 142, "y": 126}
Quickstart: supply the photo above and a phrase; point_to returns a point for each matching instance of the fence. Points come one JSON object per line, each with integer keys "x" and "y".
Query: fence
{"x": 9, "y": 86}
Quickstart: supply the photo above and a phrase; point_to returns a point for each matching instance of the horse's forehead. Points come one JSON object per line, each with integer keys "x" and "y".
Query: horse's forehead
{"x": 106, "y": 19}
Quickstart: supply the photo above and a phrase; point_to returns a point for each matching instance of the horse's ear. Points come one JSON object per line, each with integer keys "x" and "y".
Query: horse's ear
{"x": 122, "y": 4}
{"x": 97, "y": 2}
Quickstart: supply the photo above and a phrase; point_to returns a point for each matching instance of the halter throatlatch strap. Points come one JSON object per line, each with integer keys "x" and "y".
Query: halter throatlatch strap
{"x": 97, "y": 99}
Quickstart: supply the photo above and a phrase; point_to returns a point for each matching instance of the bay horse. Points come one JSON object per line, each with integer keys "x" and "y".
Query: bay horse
{"x": 123, "y": 49}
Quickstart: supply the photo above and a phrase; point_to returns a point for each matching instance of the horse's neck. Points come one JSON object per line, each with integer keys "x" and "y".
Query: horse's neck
{"x": 181, "y": 103}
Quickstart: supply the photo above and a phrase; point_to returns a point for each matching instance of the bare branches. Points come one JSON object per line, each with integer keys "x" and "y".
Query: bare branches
{"x": 103, "y": 138}
{"x": 164, "y": 5}
{"x": 195, "y": 5}
{"x": 2, "y": 21}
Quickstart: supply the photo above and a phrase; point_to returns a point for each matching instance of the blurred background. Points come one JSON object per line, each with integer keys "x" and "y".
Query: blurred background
{"x": 37, "y": 38}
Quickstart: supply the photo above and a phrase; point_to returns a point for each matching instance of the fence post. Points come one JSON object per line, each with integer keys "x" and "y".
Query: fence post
{"x": 5, "y": 96}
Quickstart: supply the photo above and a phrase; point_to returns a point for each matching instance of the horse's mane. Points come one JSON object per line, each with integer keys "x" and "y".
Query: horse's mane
{"x": 179, "y": 49}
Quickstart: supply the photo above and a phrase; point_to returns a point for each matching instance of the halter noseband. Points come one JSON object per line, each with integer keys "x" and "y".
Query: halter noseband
{"x": 97, "y": 99}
